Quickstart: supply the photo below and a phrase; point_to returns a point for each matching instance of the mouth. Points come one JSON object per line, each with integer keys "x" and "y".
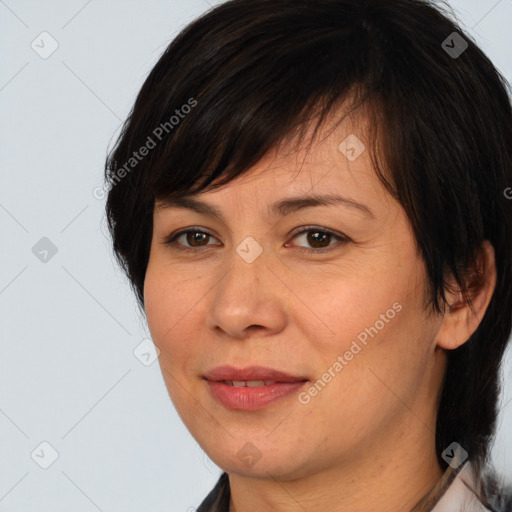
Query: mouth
{"x": 247, "y": 383}
{"x": 251, "y": 375}
{"x": 251, "y": 388}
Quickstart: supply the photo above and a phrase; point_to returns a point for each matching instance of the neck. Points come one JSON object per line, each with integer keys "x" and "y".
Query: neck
{"x": 389, "y": 481}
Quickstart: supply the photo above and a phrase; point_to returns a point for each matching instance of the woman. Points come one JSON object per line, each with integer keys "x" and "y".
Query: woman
{"x": 309, "y": 198}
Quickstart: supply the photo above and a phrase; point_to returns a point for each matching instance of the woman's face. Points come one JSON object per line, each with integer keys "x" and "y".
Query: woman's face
{"x": 331, "y": 295}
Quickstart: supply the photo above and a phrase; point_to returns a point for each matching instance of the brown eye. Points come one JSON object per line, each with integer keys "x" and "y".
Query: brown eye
{"x": 320, "y": 239}
{"x": 190, "y": 239}
{"x": 317, "y": 239}
{"x": 196, "y": 238}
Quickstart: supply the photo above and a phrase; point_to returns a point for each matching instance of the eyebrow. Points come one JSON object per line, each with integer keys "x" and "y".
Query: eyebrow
{"x": 280, "y": 208}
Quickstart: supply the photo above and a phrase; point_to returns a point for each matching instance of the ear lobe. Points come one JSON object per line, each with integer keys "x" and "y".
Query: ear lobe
{"x": 461, "y": 319}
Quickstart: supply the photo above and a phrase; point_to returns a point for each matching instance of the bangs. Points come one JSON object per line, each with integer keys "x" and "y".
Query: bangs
{"x": 247, "y": 104}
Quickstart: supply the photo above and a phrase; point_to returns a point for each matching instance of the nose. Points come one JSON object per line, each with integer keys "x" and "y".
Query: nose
{"x": 248, "y": 299}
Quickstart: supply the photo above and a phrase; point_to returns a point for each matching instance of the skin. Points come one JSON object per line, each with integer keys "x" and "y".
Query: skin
{"x": 365, "y": 442}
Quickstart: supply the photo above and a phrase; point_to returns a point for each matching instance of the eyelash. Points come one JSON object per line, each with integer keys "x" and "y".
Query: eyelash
{"x": 342, "y": 240}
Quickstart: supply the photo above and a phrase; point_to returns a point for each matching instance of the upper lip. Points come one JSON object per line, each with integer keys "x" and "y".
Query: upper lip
{"x": 263, "y": 373}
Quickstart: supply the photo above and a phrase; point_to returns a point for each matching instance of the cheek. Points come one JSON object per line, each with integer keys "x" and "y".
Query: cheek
{"x": 369, "y": 324}
{"x": 353, "y": 308}
{"x": 371, "y": 371}
{"x": 170, "y": 301}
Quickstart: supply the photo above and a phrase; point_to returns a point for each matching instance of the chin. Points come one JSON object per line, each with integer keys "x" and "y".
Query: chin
{"x": 250, "y": 462}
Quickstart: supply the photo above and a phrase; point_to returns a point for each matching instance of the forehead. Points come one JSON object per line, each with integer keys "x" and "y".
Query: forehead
{"x": 335, "y": 162}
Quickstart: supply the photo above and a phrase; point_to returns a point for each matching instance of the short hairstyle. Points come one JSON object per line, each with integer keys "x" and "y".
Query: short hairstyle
{"x": 248, "y": 74}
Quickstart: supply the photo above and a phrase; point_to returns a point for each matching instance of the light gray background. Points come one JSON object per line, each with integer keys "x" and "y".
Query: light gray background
{"x": 68, "y": 375}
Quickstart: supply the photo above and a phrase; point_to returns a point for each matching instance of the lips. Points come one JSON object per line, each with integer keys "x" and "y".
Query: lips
{"x": 230, "y": 374}
{"x": 252, "y": 388}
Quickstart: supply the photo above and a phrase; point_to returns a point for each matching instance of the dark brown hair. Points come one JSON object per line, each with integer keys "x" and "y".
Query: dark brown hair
{"x": 246, "y": 75}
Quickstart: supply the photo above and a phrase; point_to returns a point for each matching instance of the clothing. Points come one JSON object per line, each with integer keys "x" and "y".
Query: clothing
{"x": 459, "y": 496}
{"x": 452, "y": 494}
{"x": 218, "y": 498}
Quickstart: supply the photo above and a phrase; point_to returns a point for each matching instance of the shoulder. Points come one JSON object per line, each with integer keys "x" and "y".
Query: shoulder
{"x": 469, "y": 493}
{"x": 497, "y": 492}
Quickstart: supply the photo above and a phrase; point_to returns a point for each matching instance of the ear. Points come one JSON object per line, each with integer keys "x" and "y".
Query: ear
{"x": 460, "y": 321}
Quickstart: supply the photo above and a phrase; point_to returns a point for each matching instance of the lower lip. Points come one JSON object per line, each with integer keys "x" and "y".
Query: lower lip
{"x": 252, "y": 399}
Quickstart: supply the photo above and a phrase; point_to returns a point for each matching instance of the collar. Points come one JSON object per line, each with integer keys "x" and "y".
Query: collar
{"x": 462, "y": 494}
